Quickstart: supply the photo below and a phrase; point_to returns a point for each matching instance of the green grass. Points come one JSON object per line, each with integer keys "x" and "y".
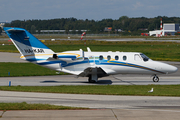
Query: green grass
{"x": 8, "y": 48}
{"x": 24, "y": 69}
{"x": 25, "y": 106}
{"x": 162, "y": 51}
{"x": 139, "y": 90}
{"x": 165, "y": 51}
{"x": 155, "y": 52}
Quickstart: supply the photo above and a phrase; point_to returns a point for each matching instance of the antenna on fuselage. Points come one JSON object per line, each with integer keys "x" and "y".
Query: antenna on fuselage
{"x": 88, "y": 49}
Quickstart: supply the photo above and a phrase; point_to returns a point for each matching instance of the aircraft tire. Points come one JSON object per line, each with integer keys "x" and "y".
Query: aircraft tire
{"x": 155, "y": 79}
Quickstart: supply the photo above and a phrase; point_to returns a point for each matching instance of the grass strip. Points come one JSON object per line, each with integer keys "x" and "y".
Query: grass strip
{"x": 138, "y": 90}
{"x": 25, "y": 106}
{"x": 165, "y": 51}
{"x": 24, "y": 69}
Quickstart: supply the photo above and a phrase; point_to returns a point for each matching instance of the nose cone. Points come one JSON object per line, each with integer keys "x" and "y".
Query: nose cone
{"x": 172, "y": 69}
{"x": 165, "y": 68}
{"x": 168, "y": 68}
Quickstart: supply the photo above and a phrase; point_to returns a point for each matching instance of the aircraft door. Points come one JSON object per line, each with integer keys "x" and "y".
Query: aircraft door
{"x": 137, "y": 57}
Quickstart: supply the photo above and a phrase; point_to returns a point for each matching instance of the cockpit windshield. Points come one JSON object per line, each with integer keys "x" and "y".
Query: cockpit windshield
{"x": 145, "y": 58}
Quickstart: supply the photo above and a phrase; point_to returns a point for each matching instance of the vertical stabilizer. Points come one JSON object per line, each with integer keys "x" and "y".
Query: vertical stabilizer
{"x": 26, "y": 43}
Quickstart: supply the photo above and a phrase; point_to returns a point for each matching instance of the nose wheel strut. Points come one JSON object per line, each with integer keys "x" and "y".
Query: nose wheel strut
{"x": 155, "y": 78}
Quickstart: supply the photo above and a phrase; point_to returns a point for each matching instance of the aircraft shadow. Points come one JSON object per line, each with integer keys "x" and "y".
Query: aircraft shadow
{"x": 100, "y": 82}
{"x": 50, "y": 81}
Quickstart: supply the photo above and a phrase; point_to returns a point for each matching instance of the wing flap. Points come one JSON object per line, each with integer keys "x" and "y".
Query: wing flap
{"x": 89, "y": 71}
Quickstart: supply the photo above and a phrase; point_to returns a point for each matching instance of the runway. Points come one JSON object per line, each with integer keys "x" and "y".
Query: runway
{"x": 116, "y": 39}
{"x": 105, "y": 114}
{"x": 104, "y": 107}
{"x": 11, "y": 57}
{"x": 72, "y": 80}
{"x": 93, "y": 101}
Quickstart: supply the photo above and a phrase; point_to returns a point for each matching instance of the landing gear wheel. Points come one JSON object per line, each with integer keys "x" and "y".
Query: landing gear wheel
{"x": 155, "y": 79}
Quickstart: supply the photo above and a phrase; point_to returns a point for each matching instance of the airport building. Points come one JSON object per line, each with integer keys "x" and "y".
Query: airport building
{"x": 168, "y": 29}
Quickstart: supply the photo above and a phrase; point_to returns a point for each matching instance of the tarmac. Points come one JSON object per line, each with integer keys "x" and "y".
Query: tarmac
{"x": 103, "y": 107}
{"x": 93, "y": 101}
{"x": 11, "y": 57}
{"x": 121, "y": 79}
{"x": 98, "y": 114}
{"x": 59, "y": 80}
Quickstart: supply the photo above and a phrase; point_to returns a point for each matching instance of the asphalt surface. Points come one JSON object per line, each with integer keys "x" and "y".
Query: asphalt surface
{"x": 10, "y": 57}
{"x": 155, "y": 39}
{"x": 93, "y": 101}
{"x": 104, "y": 107}
{"x": 128, "y": 79}
{"x": 106, "y": 114}
{"x": 72, "y": 80}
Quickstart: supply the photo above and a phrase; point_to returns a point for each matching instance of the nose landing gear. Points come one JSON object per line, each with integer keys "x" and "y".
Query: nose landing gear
{"x": 155, "y": 78}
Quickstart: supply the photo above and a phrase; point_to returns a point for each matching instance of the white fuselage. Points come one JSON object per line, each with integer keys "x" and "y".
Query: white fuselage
{"x": 110, "y": 62}
{"x": 86, "y": 64}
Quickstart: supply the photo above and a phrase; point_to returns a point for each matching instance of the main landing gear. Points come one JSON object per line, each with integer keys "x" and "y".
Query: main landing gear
{"x": 92, "y": 79}
{"x": 155, "y": 78}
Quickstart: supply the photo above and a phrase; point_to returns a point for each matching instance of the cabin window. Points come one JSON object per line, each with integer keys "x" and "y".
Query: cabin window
{"x": 100, "y": 57}
{"x": 137, "y": 57}
{"x": 116, "y": 57}
{"x": 124, "y": 58}
{"x": 109, "y": 57}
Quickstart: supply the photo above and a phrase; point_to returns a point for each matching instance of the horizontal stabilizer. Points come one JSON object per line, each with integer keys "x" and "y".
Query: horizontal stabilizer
{"x": 15, "y": 30}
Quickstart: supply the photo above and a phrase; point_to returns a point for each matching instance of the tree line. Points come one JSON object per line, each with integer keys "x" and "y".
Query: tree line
{"x": 132, "y": 26}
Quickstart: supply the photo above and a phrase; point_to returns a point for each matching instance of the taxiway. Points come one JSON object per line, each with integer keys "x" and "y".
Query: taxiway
{"x": 72, "y": 80}
{"x": 104, "y": 107}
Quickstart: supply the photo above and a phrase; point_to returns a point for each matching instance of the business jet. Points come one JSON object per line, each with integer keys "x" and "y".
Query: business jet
{"x": 89, "y": 64}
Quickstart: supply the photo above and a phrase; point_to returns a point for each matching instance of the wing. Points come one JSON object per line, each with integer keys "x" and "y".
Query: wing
{"x": 89, "y": 71}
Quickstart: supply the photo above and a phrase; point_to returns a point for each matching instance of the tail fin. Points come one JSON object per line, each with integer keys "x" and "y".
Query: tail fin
{"x": 26, "y": 43}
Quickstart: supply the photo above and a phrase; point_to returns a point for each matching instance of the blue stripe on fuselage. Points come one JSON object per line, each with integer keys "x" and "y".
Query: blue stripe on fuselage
{"x": 97, "y": 62}
{"x": 63, "y": 63}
